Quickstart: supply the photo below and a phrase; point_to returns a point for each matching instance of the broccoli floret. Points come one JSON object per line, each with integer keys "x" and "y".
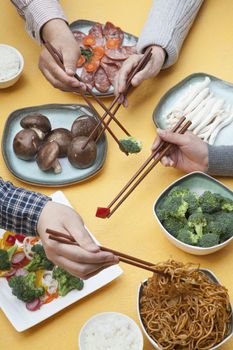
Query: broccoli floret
{"x": 5, "y": 257}
{"x": 175, "y": 206}
{"x": 197, "y": 221}
{"x": 227, "y": 204}
{"x": 187, "y": 236}
{"x": 208, "y": 240}
{"x": 210, "y": 202}
{"x": 193, "y": 202}
{"x": 174, "y": 225}
{"x": 225, "y": 220}
{"x": 40, "y": 260}
{"x": 24, "y": 288}
{"x": 178, "y": 191}
{"x": 66, "y": 282}
{"x": 131, "y": 145}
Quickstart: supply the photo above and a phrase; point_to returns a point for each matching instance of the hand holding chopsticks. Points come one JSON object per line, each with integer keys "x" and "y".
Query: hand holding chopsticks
{"x": 131, "y": 260}
{"x": 155, "y": 157}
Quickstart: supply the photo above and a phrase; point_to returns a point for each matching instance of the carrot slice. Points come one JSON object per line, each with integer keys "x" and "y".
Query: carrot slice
{"x": 89, "y": 40}
{"x": 98, "y": 52}
{"x": 81, "y": 61}
{"x": 113, "y": 43}
{"x": 91, "y": 66}
{"x": 50, "y": 297}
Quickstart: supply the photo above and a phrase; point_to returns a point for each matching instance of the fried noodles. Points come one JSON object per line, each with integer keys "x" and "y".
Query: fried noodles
{"x": 185, "y": 310}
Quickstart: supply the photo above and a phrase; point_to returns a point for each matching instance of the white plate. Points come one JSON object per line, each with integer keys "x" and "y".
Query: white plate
{"x": 22, "y": 319}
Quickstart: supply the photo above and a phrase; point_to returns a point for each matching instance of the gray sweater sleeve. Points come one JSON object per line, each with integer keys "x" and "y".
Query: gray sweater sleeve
{"x": 220, "y": 160}
{"x": 167, "y": 25}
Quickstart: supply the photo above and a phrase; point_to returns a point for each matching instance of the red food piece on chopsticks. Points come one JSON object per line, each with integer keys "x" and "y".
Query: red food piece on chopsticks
{"x": 102, "y": 212}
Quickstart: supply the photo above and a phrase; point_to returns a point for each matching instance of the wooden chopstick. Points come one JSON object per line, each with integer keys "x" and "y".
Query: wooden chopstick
{"x": 128, "y": 259}
{"x": 142, "y": 63}
{"x": 53, "y": 51}
{"x": 58, "y": 58}
{"x": 160, "y": 151}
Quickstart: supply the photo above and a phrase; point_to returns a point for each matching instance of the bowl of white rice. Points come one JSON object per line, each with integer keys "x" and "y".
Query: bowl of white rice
{"x": 11, "y": 65}
{"x": 110, "y": 331}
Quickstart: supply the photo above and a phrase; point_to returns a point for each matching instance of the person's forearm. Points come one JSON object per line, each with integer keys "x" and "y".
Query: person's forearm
{"x": 220, "y": 160}
{"x": 37, "y": 13}
{"x": 20, "y": 209}
{"x": 167, "y": 25}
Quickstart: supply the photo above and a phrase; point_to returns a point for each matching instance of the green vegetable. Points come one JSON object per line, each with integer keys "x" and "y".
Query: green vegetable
{"x": 131, "y": 145}
{"x": 210, "y": 202}
{"x": 187, "y": 236}
{"x": 209, "y": 240}
{"x": 66, "y": 282}
{"x": 193, "y": 201}
{"x": 178, "y": 191}
{"x": 174, "y": 225}
{"x": 227, "y": 204}
{"x": 40, "y": 260}
{"x": 175, "y": 207}
{"x": 87, "y": 53}
{"x": 5, "y": 257}
{"x": 24, "y": 288}
{"x": 197, "y": 221}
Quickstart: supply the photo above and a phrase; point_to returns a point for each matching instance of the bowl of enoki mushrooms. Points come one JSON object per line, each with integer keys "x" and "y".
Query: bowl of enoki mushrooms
{"x": 184, "y": 309}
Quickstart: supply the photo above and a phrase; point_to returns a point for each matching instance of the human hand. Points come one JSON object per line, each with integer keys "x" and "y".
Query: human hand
{"x": 189, "y": 153}
{"x": 60, "y": 36}
{"x": 152, "y": 68}
{"x": 84, "y": 261}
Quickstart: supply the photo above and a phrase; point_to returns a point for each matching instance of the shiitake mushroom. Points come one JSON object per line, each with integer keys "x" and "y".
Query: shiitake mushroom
{"x": 47, "y": 157}
{"x": 26, "y": 144}
{"x": 84, "y": 125}
{"x": 37, "y": 122}
{"x": 82, "y": 158}
{"x": 63, "y": 137}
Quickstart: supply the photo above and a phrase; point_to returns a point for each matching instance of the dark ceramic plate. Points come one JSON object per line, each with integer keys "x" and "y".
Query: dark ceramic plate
{"x": 84, "y": 26}
{"x": 60, "y": 115}
{"x": 220, "y": 88}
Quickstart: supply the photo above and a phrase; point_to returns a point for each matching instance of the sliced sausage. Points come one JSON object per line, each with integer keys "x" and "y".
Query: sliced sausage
{"x": 97, "y": 32}
{"x": 112, "y": 32}
{"x": 102, "y": 82}
{"x": 79, "y": 36}
{"x": 111, "y": 70}
{"x": 88, "y": 78}
{"x": 117, "y": 54}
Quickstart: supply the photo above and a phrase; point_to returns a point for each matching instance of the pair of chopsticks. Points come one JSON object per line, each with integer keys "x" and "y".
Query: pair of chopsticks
{"x": 117, "y": 102}
{"x": 59, "y": 60}
{"x": 128, "y": 259}
{"x": 155, "y": 157}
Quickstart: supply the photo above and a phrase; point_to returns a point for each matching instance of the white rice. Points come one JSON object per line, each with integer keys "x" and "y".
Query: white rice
{"x": 9, "y": 63}
{"x": 111, "y": 332}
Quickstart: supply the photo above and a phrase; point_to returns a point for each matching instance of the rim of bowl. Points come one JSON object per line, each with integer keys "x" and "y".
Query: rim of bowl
{"x": 136, "y": 327}
{"x": 215, "y": 279}
{"x": 221, "y": 245}
{"x": 21, "y": 59}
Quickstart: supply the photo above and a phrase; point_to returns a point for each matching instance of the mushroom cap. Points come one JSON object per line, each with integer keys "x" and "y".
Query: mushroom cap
{"x": 37, "y": 121}
{"x": 84, "y": 125}
{"x": 63, "y": 137}
{"x": 82, "y": 158}
{"x": 47, "y": 155}
{"x": 26, "y": 144}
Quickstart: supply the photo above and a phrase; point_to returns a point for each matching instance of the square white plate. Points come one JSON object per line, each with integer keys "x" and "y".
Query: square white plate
{"x": 22, "y": 319}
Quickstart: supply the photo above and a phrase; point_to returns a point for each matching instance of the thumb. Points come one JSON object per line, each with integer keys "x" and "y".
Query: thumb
{"x": 70, "y": 58}
{"x": 172, "y": 137}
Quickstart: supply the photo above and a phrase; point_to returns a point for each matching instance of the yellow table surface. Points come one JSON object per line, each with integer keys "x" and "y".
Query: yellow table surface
{"x": 132, "y": 229}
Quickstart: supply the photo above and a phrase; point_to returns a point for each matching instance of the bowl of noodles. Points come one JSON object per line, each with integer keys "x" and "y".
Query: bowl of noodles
{"x": 184, "y": 309}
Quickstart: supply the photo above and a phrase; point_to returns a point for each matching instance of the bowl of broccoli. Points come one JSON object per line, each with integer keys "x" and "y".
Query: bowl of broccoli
{"x": 196, "y": 213}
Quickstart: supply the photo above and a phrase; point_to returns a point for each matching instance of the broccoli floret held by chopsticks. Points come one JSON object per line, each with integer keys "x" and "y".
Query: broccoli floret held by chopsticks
{"x": 131, "y": 145}
{"x": 66, "y": 282}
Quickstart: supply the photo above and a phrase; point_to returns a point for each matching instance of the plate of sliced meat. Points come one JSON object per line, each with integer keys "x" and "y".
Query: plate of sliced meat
{"x": 104, "y": 48}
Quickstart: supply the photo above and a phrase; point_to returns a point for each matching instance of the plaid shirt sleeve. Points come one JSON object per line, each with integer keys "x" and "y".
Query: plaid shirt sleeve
{"x": 20, "y": 209}
{"x": 37, "y": 13}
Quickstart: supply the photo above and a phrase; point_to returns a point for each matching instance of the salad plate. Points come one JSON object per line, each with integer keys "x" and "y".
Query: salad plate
{"x": 84, "y": 26}
{"x": 60, "y": 116}
{"x": 219, "y": 88}
{"x": 23, "y": 319}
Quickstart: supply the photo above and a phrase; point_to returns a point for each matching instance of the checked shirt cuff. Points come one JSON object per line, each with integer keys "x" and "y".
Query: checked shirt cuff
{"x": 20, "y": 209}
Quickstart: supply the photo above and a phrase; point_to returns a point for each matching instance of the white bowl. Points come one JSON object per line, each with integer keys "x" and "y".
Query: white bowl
{"x": 197, "y": 182}
{"x": 14, "y": 78}
{"x": 211, "y": 275}
{"x": 110, "y": 320}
